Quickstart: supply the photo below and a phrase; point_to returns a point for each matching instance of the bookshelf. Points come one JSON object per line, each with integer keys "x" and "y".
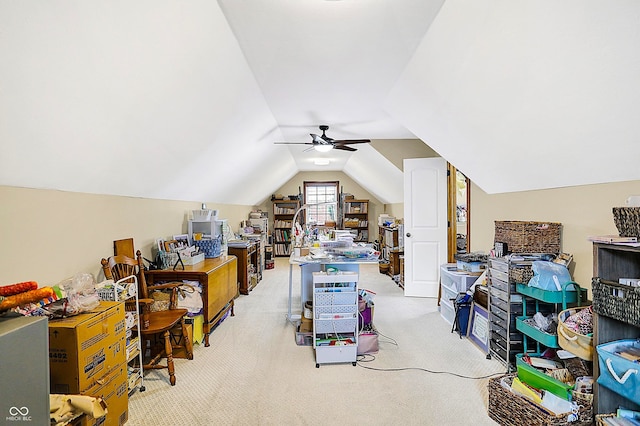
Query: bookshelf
{"x": 283, "y": 212}
{"x": 356, "y": 216}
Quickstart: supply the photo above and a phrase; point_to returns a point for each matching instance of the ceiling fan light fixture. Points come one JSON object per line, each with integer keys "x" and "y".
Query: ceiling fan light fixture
{"x": 323, "y": 147}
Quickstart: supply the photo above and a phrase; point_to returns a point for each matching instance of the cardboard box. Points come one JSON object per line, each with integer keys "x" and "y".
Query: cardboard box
{"x": 113, "y": 389}
{"x": 306, "y": 324}
{"x": 83, "y": 348}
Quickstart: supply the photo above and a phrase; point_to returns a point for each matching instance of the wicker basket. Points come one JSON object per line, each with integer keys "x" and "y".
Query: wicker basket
{"x": 529, "y": 237}
{"x": 617, "y": 301}
{"x": 600, "y": 417}
{"x": 579, "y": 344}
{"x": 161, "y": 301}
{"x": 627, "y": 220}
{"x": 520, "y": 275}
{"x": 507, "y": 408}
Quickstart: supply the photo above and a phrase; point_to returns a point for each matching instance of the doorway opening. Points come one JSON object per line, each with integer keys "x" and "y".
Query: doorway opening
{"x": 458, "y": 210}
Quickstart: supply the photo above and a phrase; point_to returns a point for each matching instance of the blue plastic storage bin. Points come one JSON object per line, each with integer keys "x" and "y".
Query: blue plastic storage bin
{"x": 619, "y": 374}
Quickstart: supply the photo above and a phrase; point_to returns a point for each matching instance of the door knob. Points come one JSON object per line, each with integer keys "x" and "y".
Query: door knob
{"x": 408, "y": 234}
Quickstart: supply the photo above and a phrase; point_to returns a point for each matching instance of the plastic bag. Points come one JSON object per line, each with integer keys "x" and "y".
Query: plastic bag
{"x": 549, "y": 275}
{"x": 190, "y": 297}
{"x": 81, "y": 294}
{"x": 548, "y": 324}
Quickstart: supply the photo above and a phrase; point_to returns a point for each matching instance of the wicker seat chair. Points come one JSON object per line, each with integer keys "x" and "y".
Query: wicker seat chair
{"x": 155, "y": 325}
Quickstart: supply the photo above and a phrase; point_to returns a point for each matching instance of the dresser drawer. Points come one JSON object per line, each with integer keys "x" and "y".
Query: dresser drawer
{"x": 458, "y": 281}
{"x": 499, "y": 264}
{"x": 495, "y": 310}
{"x": 496, "y": 293}
{"x": 495, "y": 299}
{"x": 503, "y": 321}
{"x": 503, "y": 285}
{"x": 498, "y": 274}
{"x": 447, "y": 293}
{"x": 515, "y": 340}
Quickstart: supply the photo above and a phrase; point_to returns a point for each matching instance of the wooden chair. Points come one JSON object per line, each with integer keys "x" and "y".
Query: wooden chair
{"x": 155, "y": 326}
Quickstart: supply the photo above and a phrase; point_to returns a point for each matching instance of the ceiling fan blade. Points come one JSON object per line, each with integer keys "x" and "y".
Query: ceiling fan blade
{"x": 351, "y": 141}
{"x": 317, "y": 139}
{"x": 344, "y": 148}
{"x": 293, "y": 143}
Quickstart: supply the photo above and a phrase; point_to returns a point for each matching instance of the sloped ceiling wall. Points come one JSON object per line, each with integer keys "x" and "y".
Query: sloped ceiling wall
{"x": 526, "y": 95}
{"x": 133, "y": 98}
{"x": 159, "y": 99}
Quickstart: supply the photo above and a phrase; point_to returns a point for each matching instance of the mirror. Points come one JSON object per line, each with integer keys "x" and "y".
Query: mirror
{"x": 458, "y": 210}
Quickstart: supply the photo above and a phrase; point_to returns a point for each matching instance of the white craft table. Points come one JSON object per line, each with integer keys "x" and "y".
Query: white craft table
{"x": 309, "y": 265}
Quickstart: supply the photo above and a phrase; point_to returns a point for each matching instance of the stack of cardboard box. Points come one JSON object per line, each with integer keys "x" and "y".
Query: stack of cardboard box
{"x": 87, "y": 356}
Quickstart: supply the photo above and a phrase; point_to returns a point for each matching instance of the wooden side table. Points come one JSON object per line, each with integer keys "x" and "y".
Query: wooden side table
{"x": 248, "y": 257}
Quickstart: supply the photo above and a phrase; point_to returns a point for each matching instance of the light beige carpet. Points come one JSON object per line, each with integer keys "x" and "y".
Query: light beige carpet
{"x": 254, "y": 373}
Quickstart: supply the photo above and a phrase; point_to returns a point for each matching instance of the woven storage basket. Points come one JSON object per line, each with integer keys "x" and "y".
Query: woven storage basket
{"x": 618, "y": 301}
{"x": 600, "y": 417}
{"x": 529, "y": 237}
{"x": 161, "y": 301}
{"x": 579, "y": 344}
{"x": 520, "y": 275}
{"x": 627, "y": 220}
{"x": 507, "y": 408}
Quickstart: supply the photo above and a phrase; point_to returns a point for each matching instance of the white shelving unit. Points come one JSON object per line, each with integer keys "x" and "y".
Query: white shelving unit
{"x": 126, "y": 290}
{"x": 335, "y": 317}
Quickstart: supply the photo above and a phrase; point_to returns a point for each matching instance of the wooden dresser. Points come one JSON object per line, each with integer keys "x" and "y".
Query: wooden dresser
{"x": 219, "y": 280}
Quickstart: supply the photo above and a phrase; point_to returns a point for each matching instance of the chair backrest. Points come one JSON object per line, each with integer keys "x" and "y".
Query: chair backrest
{"x": 119, "y": 267}
{"x": 124, "y": 247}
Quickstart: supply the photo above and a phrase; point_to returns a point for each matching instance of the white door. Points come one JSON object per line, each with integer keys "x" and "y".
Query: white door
{"x": 425, "y": 224}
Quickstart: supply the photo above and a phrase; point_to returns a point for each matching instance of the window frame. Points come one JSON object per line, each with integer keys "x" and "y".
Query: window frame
{"x": 324, "y": 212}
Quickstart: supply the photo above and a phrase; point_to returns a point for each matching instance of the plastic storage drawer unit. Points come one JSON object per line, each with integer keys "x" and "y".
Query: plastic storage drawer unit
{"x": 451, "y": 278}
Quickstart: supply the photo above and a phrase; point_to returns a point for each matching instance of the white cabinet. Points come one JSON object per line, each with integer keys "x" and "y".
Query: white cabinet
{"x": 25, "y": 369}
{"x": 126, "y": 290}
{"x": 335, "y": 317}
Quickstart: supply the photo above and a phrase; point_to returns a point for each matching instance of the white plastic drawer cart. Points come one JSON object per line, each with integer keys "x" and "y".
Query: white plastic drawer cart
{"x": 335, "y": 317}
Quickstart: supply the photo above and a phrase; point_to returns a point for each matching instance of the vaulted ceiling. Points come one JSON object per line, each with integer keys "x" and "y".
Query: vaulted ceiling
{"x": 184, "y": 100}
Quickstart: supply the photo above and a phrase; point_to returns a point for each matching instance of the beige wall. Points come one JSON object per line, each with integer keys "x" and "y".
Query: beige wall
{"x": 48, "y": 236}
{"x": 396, "y": 210}
{"x": 349, "y": 186}
{"x": 582, "y": 210}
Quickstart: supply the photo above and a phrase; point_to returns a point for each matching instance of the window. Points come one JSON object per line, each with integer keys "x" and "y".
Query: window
{"x": 321, "y": 192}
